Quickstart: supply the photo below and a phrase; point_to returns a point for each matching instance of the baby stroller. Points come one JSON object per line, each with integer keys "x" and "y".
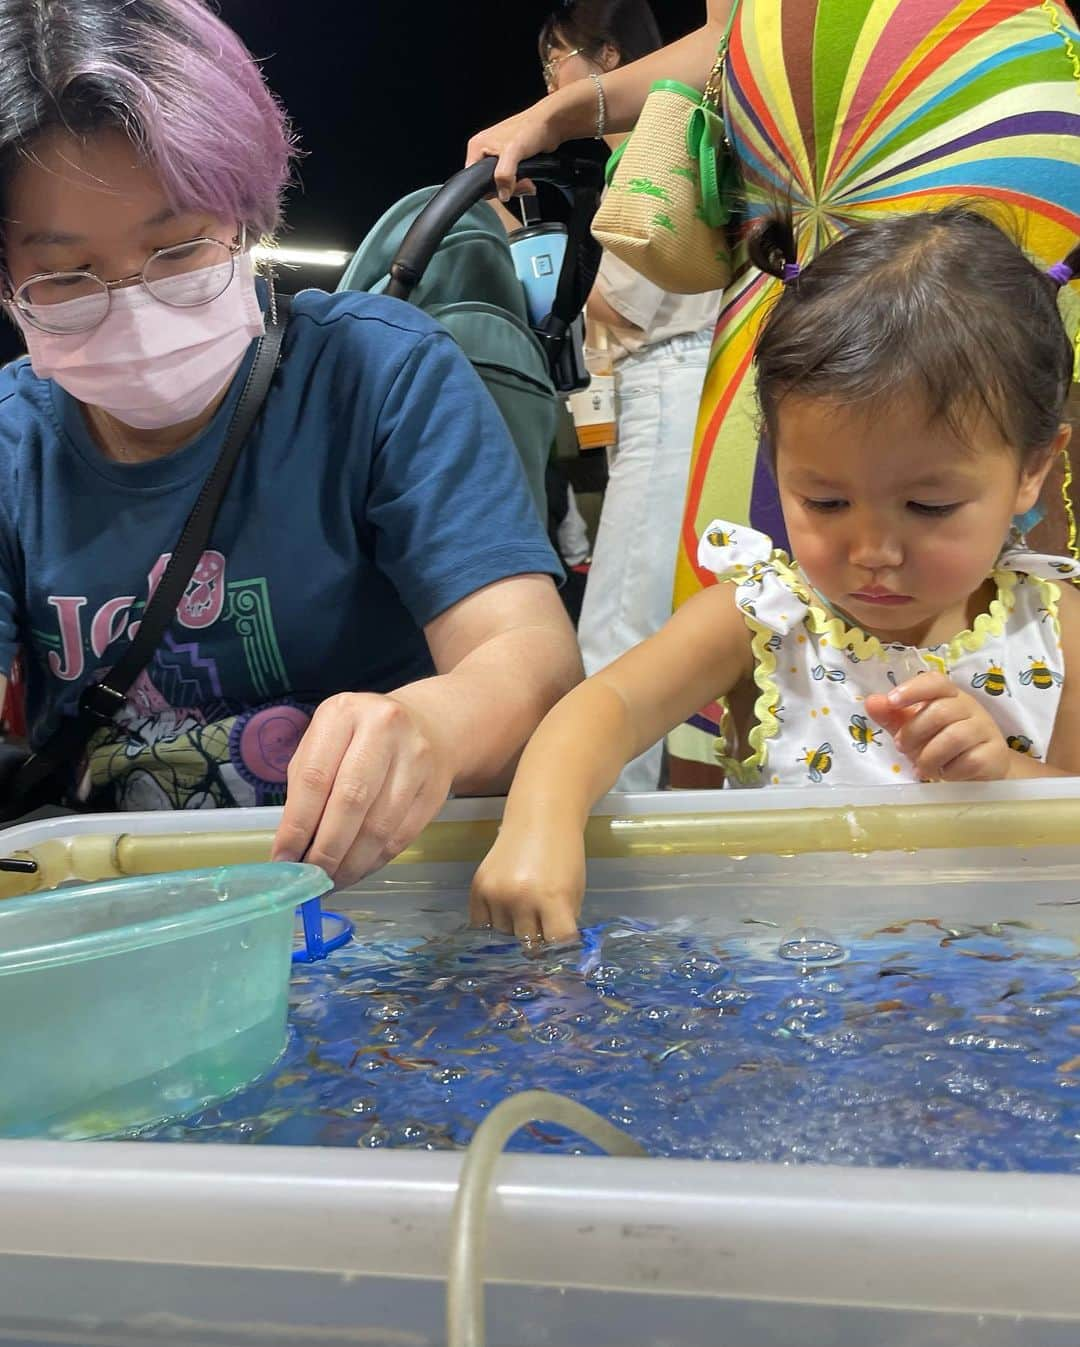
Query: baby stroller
{"x": 444, "y": 250}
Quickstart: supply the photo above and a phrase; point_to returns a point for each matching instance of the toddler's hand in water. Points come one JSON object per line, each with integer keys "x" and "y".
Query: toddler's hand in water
{"x": 942, "y": 730}
{"x": 531, "y": 884}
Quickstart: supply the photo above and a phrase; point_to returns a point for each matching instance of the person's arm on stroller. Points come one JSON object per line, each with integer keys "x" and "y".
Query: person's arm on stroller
{"x": 570, "y": 113}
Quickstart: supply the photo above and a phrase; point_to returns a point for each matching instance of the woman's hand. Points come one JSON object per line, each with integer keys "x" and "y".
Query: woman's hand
{"x": 368, "y": 776}
{"x": 943, "y": 731}
{"x": 531, "y": 884}
{"x": 519, "y": 137}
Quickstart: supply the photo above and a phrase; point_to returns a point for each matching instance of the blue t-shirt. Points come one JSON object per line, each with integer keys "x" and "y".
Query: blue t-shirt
{"x": 378, "y": 488}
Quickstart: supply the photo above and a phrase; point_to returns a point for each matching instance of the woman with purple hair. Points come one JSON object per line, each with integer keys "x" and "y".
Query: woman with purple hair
{"x": 375, "y": 624}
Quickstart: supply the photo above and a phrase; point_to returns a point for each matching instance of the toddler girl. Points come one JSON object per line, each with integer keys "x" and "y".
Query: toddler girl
{"x": 912, "y": 380}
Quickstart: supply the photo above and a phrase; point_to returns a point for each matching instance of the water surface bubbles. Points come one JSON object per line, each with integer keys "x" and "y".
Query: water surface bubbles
{"x": 812, "y": 947}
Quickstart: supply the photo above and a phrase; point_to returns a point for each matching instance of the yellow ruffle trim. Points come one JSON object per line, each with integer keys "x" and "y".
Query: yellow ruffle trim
{"x": 986, "y": 625}
{"x": 766, "y": 709}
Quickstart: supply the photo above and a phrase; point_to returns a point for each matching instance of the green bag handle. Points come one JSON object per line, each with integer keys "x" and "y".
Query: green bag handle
{"x": 704, "y": 138}
{"x": 705, "y": 132}
{"x": 614, "y": 157}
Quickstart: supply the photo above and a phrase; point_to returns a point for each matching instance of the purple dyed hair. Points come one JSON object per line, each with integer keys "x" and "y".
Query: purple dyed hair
{"x": 169, "y": 74}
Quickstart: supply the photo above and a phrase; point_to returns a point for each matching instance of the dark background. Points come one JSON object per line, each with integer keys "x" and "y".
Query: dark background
{"x": 384, "y": 95}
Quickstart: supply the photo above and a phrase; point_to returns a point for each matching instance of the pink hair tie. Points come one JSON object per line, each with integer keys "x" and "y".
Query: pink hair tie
{"x": 1060, "y": 273}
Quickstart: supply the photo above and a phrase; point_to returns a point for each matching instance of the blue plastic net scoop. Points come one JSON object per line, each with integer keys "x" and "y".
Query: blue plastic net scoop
{"x": 324, "y": 932}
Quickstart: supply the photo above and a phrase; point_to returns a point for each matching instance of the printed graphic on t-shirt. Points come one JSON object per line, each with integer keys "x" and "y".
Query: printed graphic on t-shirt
{"x": 180, "y": 743}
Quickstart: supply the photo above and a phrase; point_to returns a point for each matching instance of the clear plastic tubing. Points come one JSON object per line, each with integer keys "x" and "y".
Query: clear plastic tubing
{"x": 468, "y": 1221}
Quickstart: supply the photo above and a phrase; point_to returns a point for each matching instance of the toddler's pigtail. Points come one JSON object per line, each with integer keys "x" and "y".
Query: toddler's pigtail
{"x": 772, "y": 247}
{"x": 1061, "y": 273}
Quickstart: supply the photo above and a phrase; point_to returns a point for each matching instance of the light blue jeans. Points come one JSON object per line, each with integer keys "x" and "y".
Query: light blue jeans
{"x": 628, "y": 594}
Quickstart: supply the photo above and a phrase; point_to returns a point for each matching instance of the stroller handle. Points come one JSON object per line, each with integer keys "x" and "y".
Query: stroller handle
{"x": 567, "y": 168}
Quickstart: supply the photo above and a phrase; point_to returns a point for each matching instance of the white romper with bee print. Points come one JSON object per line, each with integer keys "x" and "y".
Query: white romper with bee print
{"x": 814, "y": 672}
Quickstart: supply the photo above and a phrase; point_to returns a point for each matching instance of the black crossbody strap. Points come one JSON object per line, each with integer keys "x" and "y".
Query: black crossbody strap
{"x": 100, "y": 702}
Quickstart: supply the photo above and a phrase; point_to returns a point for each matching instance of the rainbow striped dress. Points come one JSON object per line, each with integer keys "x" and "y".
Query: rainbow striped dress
{"x": 852, "y": 109}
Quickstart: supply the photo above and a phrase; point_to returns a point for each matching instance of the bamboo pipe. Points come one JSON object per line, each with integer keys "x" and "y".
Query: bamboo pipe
{"x": 792, "y": 832}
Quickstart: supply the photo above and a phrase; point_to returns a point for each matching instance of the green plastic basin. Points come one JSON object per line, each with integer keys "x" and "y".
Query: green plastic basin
{"x": 133, "y": 1001}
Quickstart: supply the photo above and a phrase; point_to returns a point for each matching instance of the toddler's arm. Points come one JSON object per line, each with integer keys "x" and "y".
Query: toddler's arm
{"x": 533, "y": 880}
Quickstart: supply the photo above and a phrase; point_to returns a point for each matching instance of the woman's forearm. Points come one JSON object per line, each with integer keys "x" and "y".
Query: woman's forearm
{"x": 485, "y": 709}
{"x": 572, "y": 110}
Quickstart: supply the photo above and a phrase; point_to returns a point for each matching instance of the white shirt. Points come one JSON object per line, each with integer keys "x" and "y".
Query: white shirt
{"x": 813, "y": 671}
{"x": 658, "y": 314}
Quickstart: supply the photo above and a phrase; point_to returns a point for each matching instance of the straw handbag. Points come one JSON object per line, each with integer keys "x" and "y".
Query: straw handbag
{"x": 672, "y": 187}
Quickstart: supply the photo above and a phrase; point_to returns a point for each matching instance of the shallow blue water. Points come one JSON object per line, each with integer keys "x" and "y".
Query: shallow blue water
{"x": 926, "y": 1047}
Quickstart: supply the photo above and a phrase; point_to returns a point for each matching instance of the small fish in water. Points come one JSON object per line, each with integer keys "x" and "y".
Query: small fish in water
{"x": 657, "y": 1057}
{"x": 406, "y": 1063}
{"x": 424, "y": 1037}
{"x": 361, "y": 1052}
{"x": 288, "y": 1078}
{"x": 1067, "y": 1068}
{"x": 989, "y": 957}
{"x": 545, "y": 1137}
{"x": 760, "y": 921}
{"x": 1013, "y": 989}
{"x": 859, "y": 1010}
{"x": 899, "y": 927}
{"x": 1065, "y": 994}
{"x": 899, "y": 970}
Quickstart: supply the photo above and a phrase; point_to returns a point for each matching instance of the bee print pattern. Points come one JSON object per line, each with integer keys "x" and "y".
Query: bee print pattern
{"x": 818, "y": 762}
{"x": 993, "y": 682}
{"x": 720, "y": 538}
{"x": 863, "y": 733}
{"x": 1039, "y": 675}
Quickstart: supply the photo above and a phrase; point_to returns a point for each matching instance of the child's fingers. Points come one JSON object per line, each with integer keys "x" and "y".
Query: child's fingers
{"x": 890, "y": 718}
{"x": 504, "y": 917}
{"x": 925, "y": 687}
{"x": 974, "y": 764}
{"x": 558, "y": 921}
{"x": 479, "y": 910}
{"x": 936, "y": 758}
{"x": 546, "y": 923}
{"x": 925, "y": 724}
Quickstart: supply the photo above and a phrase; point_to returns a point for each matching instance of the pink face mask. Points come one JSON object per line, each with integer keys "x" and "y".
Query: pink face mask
{"x": 151, "y": 364}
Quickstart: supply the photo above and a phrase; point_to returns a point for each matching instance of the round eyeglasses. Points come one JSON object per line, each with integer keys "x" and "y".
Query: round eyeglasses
{"x": 550, "y": 67}
{"x": 183, "y": 276}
